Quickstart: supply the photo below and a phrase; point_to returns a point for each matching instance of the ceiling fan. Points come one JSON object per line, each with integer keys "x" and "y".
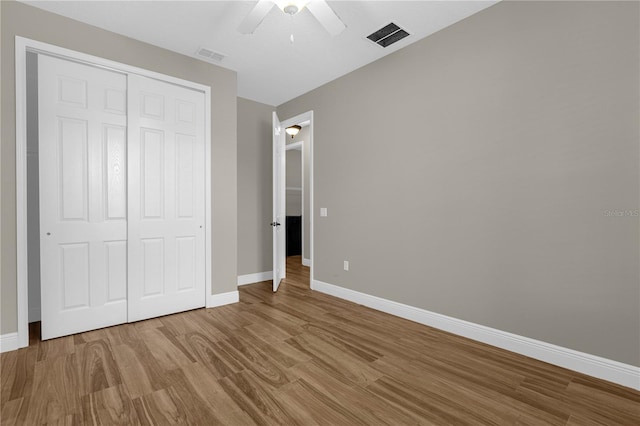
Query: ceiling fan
{"x": 318, "y": 8}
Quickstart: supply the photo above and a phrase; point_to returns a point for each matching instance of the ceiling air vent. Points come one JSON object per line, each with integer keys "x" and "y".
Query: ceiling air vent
{"x": 210, "y": 55}
{"x": 388, "y": 35}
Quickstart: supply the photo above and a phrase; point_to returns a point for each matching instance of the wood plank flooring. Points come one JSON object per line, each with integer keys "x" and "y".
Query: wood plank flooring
{"x": 296, "y": 357}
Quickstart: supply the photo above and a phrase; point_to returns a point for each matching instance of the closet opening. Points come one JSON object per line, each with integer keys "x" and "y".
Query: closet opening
{"x": 90, "y": 133}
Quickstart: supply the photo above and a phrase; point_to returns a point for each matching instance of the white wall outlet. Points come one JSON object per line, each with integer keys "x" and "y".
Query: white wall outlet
{"x": 346, "y": 265}
{"x": 323, "y": 211}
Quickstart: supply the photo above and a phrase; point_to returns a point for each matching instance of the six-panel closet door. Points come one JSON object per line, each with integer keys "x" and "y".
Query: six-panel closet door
{"x": 83, "y": 196}
{"x": 166, "y": 198}
{"x": 121, "y": 197}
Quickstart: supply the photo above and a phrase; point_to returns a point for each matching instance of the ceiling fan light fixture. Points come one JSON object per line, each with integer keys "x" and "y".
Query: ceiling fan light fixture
{"x": 291, "y": 7}
{"x": 293, "y": 130}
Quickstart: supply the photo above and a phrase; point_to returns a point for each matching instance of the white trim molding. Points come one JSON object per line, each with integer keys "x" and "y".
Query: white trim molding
{"x": 592, "y": 365}
{"x": 222, "y": 299}
{"x": 8, "y": 342}
{"x": 255, "y": 278}
{"x": 306, "y": 262}
{"x": 295, "y": 145}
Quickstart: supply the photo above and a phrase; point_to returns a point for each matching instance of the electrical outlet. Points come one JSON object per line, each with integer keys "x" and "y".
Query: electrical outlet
{"x": 346, "y": 265}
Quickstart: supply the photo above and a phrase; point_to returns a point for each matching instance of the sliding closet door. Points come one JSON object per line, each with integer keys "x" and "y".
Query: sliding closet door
{"x": 166, "y": 198}
{"x": 82, "y": 151}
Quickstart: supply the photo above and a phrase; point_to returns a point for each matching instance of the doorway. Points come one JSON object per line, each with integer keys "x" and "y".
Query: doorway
{"x": 298, "y": 192}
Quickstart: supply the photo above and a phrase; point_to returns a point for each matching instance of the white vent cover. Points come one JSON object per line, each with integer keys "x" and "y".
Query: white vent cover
{"x": 210, "y": 55}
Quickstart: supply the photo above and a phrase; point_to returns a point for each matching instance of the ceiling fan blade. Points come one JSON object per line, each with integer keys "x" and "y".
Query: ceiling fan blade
{"x": 255, "y": 17}
{"x": 326, "y": 16}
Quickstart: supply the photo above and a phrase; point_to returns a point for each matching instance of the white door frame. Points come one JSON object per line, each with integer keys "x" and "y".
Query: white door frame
{"x": 290, "y": 122}
{"x": 24, "y": 45}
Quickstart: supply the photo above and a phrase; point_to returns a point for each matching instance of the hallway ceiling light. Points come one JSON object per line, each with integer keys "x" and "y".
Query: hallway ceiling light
{"x": 293, "y": 130}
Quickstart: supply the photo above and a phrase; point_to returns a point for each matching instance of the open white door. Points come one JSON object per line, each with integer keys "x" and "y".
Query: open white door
{"x": 278, "y": 222}
{"x": 83, "y": 196}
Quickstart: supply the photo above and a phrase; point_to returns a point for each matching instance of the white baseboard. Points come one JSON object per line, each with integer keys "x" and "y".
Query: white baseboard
{"x": 34, "y": 314}
{"x": 306, "y": 262}
{"x": 8, "y": 342}
{"x": 255, "y": 278}
{"x": 592, "y": 365}
{"x": 223, "y": 299}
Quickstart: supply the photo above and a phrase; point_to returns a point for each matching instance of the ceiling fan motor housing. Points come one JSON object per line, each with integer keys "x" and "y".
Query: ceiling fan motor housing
{"x": 291, "y": 9}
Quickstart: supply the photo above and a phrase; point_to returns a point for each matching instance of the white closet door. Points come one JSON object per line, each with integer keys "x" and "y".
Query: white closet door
{"x": 166, "y": 198}
{"x": 82, "y": 144}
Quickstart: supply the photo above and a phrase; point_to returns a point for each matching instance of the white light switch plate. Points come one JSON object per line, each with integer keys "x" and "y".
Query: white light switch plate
{"x": 323, "y": 211}
{"x": 346, "y": 265}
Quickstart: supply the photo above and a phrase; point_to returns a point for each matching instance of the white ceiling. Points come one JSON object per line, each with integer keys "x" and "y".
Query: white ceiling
{"x": 270, "y": 69}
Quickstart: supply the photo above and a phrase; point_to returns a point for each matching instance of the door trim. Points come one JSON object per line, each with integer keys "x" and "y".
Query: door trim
{"x": 24, "y": 45}
{"x": 290, "y": 122}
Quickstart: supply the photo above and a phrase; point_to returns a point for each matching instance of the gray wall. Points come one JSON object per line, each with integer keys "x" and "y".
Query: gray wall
{"x": 26, "y": 21}
{"x": 254, "y": 187}
{"x": 294, "y": 182}
{"x": 33, "y": 188}
{"x": 304, "y": 136}
{"x": 481, "y": 191}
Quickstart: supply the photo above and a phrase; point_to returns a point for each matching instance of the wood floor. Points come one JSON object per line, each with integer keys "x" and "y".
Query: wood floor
{"x": 295, "y": 357}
